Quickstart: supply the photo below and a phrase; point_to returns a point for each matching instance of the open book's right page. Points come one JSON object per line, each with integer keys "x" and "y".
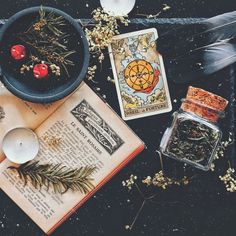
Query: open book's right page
{"x": 91, "y": 134}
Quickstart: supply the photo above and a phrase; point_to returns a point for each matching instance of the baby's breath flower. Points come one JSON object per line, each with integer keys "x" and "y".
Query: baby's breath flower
{"x": 55, "y": 69}
{"x": 166, "y": 7}
{"x": 101, "y": 57}
{"x": 24, "y": 68}
{"x": 109, "y": 79}
{"x": 147, "y": 180}
{"x": 129, "y": 182}
{"x": 52, "y": 140}
{"x": 162, "y": 181}
{"x": 223, "y": 146}
{"x": 212, "y": 167}
{"x": 106, "y": 26}
{"x": 91, "y": 72}
{"x": 229, "y": 180}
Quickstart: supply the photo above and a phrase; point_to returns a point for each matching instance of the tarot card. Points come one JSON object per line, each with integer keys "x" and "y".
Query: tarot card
{"x": 139, "y": 75}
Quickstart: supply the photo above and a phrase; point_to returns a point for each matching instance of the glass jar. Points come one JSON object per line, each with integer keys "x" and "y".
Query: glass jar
{"x": 194, "y": 135}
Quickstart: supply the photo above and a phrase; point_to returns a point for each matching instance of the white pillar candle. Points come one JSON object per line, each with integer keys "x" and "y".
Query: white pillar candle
{"x": 20, "y": 145}
{"x": 118, "y": 7}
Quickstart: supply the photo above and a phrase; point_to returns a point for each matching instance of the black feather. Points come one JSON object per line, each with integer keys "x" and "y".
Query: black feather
{"x": 192, "y": 52}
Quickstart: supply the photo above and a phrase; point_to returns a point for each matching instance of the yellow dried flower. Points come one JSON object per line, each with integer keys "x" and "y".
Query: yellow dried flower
{"x": 229, "y": 180}
{"x": 162, "y": 181}
{"x": 52, "y": 140}
{"x": 129, "y": 182}
{"x": 91, "y": 72}
{"x": 106, "y": 26}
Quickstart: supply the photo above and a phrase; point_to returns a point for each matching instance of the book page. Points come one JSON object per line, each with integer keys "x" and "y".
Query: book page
{"x": 15, "y": 112}
{"x": 91, "y": 134}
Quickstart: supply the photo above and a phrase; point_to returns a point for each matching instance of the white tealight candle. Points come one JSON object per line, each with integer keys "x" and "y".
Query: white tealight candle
{"x": 117, "y": 7}
{"x": 20, "y": 145}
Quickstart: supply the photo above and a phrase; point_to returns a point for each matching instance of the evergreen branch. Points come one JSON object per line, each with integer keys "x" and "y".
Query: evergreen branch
{"x": 47, "y": 39}
{"x": 57, "y": 176}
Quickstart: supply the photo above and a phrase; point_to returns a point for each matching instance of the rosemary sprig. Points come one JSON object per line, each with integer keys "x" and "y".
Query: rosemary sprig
{"x": 47, "y": 40}
{"x": 57, "y": 176}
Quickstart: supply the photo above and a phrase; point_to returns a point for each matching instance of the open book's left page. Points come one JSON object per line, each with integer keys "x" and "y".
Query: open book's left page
{"x": 91, "y": 134}
{"x": 15, "y": 112}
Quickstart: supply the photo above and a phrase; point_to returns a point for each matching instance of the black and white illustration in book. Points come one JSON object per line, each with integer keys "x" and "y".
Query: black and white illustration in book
{"x": 97, "y": 127}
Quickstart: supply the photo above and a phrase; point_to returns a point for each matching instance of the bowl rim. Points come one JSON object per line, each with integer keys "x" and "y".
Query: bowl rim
{"x": 47, "y": 98}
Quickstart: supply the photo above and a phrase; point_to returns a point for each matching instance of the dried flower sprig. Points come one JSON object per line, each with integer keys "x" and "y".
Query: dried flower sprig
{"x": 56, "y": 70}
{"x": 158, "y": 180}
{"x": 91, "y": 72}
{"x": 129, "y": 182}
{"x": 46, "y": 38}
{"x": 162, "y": 181}
{"x": 57, "y": 176}
{"x": 222, "y": 147}
{"x": 165, "y": 8}
{"x": 50, "y": 21}
{"x": 106, "y": 27}
{"x": 109, "y": 79}
{"x": 229, "y": 180}
{"x": 52, "y": 140}
{"x": 100, "y": 34}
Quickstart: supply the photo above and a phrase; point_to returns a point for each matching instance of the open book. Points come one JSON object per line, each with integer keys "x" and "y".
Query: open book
{"x": 91, "y": 134}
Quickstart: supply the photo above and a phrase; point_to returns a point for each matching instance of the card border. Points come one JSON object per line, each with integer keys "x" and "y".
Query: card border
{"x": 140, "y": 32}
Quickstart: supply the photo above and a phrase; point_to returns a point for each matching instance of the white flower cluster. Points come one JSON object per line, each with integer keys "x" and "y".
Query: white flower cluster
{"x": 52, "y": 140}
{"x": 128, "y": 227}
{"x": 165, "y": 8}
{"x": 109, "y": 79}
{"x": 162, "y": 181}
{"x": 91, "y": 72}
{"x": 100, "y": 35}
{"x": 106, "y": 26}
{"x": 56, "y": 70}
{"x": 220, "y": 152}
{"x": 24, "y": 68}
{"x": 229, "y": 180}
{"x": 129, "y": 182}
{"x": 224, "y": 145}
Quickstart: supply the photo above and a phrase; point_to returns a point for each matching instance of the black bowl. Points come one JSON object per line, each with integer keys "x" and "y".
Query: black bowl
{"x": 48, "y": 90}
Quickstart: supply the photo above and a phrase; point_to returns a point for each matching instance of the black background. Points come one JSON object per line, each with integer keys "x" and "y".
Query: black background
{"x": 201, "y": 208}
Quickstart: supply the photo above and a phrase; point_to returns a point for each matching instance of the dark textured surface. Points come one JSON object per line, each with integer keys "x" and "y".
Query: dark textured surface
{"x": 202, "y": 208}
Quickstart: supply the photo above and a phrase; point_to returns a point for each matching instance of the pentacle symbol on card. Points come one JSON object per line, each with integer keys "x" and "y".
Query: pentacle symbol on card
{"x": 141, "y": 76}
{"x": 2, "y": 114}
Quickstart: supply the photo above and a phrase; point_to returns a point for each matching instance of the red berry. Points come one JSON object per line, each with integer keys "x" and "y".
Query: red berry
{"x": 40, "y": 71}
{"x": 18, "y": 52}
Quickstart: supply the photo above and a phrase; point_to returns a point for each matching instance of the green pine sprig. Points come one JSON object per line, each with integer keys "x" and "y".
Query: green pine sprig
{"x": 57, "y": 176}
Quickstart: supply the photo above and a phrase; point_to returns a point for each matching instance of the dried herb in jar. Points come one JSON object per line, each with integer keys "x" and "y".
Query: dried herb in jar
{"x": 194, "y": 134}
{"x": 193, "y": 141}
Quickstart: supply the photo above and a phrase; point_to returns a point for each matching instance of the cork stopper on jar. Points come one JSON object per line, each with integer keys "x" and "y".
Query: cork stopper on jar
{"x": 204, "y": 104}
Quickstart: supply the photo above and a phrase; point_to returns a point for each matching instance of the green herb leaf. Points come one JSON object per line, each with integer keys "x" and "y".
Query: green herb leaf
{"x": 57, "y": 176}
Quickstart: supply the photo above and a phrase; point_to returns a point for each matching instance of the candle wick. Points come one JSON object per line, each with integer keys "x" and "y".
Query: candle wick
{"x": 20, "y": 144}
